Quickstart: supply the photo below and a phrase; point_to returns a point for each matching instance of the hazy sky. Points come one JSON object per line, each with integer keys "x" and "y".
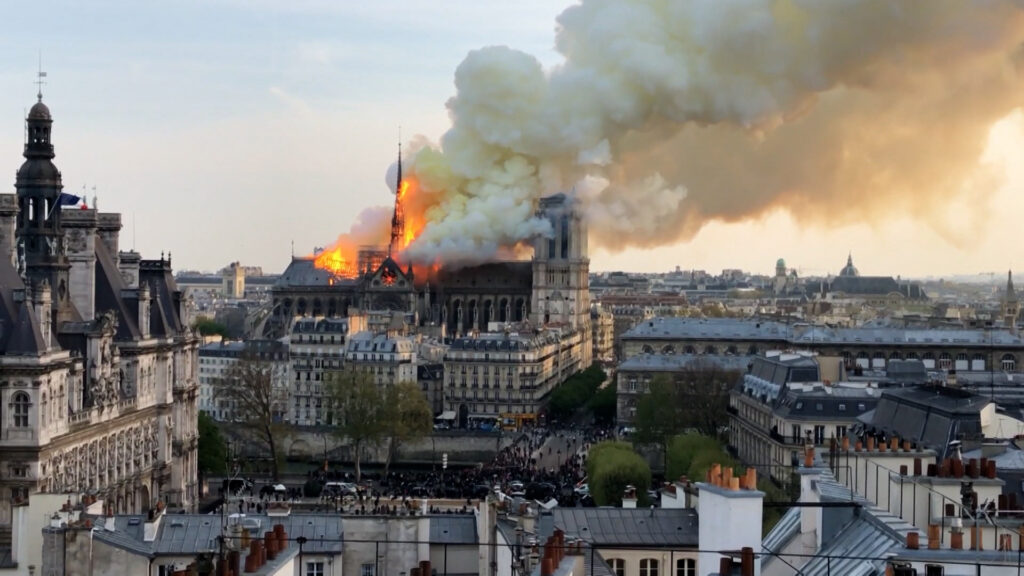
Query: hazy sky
{"x": 227, "y": 130}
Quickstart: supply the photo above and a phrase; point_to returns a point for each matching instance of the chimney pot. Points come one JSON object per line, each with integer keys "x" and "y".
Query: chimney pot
{"x": 546, "y": 567}
{"x": 747, "y": 561}
{"x": 917, "y": 466}
{"x": 990, "y": 470}
{"x": 871, "y": 443}
{"x": 846, "y": 444}
{"x": 894, "y": 444}
{"x": 858, "y": 446}
{"x": 956, "y": 540}
{"x": 933, "y": 536}
{"x": 912, "y": 541}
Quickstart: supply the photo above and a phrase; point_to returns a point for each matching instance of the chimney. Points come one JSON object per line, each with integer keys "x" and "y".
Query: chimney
{"x": 629, "y": 497}
{"x": 811, "y": 516}
{"x": 730, "y": 516}
{"x": 41, "y": 304}
{"x": 144, "y": 305}
{"x": 108, "y": 227}
{"x": 128, "y": 265}
{"x": 80, "y": 239}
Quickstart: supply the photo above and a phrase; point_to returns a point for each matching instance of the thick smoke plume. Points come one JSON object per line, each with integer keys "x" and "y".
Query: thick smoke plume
{"x": 667, "y": 114}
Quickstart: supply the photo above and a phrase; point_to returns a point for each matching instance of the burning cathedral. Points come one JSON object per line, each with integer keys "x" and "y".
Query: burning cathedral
{"x": 550, "y": 290}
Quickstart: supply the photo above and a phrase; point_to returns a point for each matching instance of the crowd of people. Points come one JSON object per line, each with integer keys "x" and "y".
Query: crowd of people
{"x": 540, "y": 463}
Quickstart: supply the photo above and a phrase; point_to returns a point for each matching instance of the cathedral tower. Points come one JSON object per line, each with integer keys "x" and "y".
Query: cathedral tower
{"x": 1011, "y": 305}
{"x": 561, "y": 267}
{"x": 40, "y": 251}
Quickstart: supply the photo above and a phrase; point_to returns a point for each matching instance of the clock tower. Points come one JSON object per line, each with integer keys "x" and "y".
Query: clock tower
{"x": 40, "y": 250}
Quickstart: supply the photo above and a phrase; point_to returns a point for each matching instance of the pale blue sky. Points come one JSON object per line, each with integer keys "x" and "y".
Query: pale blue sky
{"x": 225, "y": 130}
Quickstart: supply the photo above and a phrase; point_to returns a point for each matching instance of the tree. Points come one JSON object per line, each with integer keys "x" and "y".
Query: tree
{"x": 603, "y": 404}
{"x": 207, "y": 326}
{"x": 408, "y": 416}
{"x": 684, "y": 449}
{"x": 693, "y": 455}
{"x": 212, "y": 449}
{"x": 254, "y": 404}
{"x": 361, "y": 411}
{"x": 575, "y": 392}
{"x": 693, "y": 399}
{"x": 611, "y": 467}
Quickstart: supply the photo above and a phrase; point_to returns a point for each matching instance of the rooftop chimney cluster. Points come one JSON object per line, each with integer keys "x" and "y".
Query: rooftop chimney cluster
{"x": 723, "y": 478}
{"x": 555, "y": 550}
{"x": 893, "y": 446}
{"x": 955, "y": 467}
{"x": 273, "y": 543}
{"x": 746, "y": 564}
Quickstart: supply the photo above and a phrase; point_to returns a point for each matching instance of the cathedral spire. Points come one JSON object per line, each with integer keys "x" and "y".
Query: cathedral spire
{"x": 397, "y": 218}
{"x": 1011, "y": 294}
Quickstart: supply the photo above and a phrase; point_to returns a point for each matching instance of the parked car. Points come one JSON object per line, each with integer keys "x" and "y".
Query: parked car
{"x": 542, "y": 491}
{"x": 340, "y": 488}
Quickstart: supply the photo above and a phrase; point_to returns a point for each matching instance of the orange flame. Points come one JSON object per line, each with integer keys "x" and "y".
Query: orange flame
{"x": 341, "y": 259}
{"x": 336, "y": 261}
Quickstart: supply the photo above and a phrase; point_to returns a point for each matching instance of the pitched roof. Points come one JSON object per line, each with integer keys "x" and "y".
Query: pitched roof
{"x": 453, "y": 529}
{"x": 604, "y": 527}
{"x": 109, "y": 285}
{"x": 26, "y": 338}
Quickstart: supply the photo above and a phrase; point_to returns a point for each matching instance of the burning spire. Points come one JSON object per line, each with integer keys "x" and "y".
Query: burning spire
{"x": 397, "y": 218}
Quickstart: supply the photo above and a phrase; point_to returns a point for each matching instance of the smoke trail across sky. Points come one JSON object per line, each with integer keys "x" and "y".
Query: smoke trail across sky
{"x": 666, "y": 115}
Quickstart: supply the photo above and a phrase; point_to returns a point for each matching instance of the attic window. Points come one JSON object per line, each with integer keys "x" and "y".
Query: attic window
{"x": 842, "y": 407}
{"x": 818, "y": 407}
{"x": 861, "y": 407}
{"x": 799, "y": 405}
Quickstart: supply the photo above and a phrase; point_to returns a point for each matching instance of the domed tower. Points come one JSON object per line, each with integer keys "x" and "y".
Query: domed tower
{"x": 780, "y": 267}
{"x": 40, "y": 248}
{"x": 849, "y": 270}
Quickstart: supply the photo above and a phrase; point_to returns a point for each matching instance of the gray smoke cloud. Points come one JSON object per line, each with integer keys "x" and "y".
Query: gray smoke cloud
{"x": 666, "y": 115}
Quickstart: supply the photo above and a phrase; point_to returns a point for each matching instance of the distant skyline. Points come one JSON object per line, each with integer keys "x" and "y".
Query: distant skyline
{"x": 228, "y": 130}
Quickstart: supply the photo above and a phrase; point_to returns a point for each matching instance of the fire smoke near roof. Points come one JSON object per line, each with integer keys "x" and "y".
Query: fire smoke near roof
{"x": 665, "y": 115}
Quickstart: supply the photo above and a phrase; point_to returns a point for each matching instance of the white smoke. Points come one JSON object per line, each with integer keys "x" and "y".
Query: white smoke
{"x": 666, "y": 114}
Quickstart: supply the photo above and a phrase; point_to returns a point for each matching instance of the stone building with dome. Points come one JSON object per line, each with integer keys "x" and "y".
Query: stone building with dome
{"x": 97, "y": 360}
{"x": 878, "y": 291}
{"x": 785, "y": 282}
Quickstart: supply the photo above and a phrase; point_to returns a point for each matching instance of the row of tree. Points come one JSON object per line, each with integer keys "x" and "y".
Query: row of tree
{"x": 695, "y": 399}
{"x": 360, "y": 412}
{"x": 612, "y": 466}
{"x": 586, "y": 390}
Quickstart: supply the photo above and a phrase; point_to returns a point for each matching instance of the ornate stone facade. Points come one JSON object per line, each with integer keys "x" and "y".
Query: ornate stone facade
{"x": 98, "y": 365}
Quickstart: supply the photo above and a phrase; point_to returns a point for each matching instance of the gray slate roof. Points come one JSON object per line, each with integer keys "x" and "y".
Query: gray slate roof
{"x": 186, "y": 534}
{"x": 453, "y": 529}
{"x": 676, "y": 362}
{"x": 639, "y": 527}
{"x": 871, "y": 533}
{"x": 732, "y": 329}
{"x": 302, "y": 272}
